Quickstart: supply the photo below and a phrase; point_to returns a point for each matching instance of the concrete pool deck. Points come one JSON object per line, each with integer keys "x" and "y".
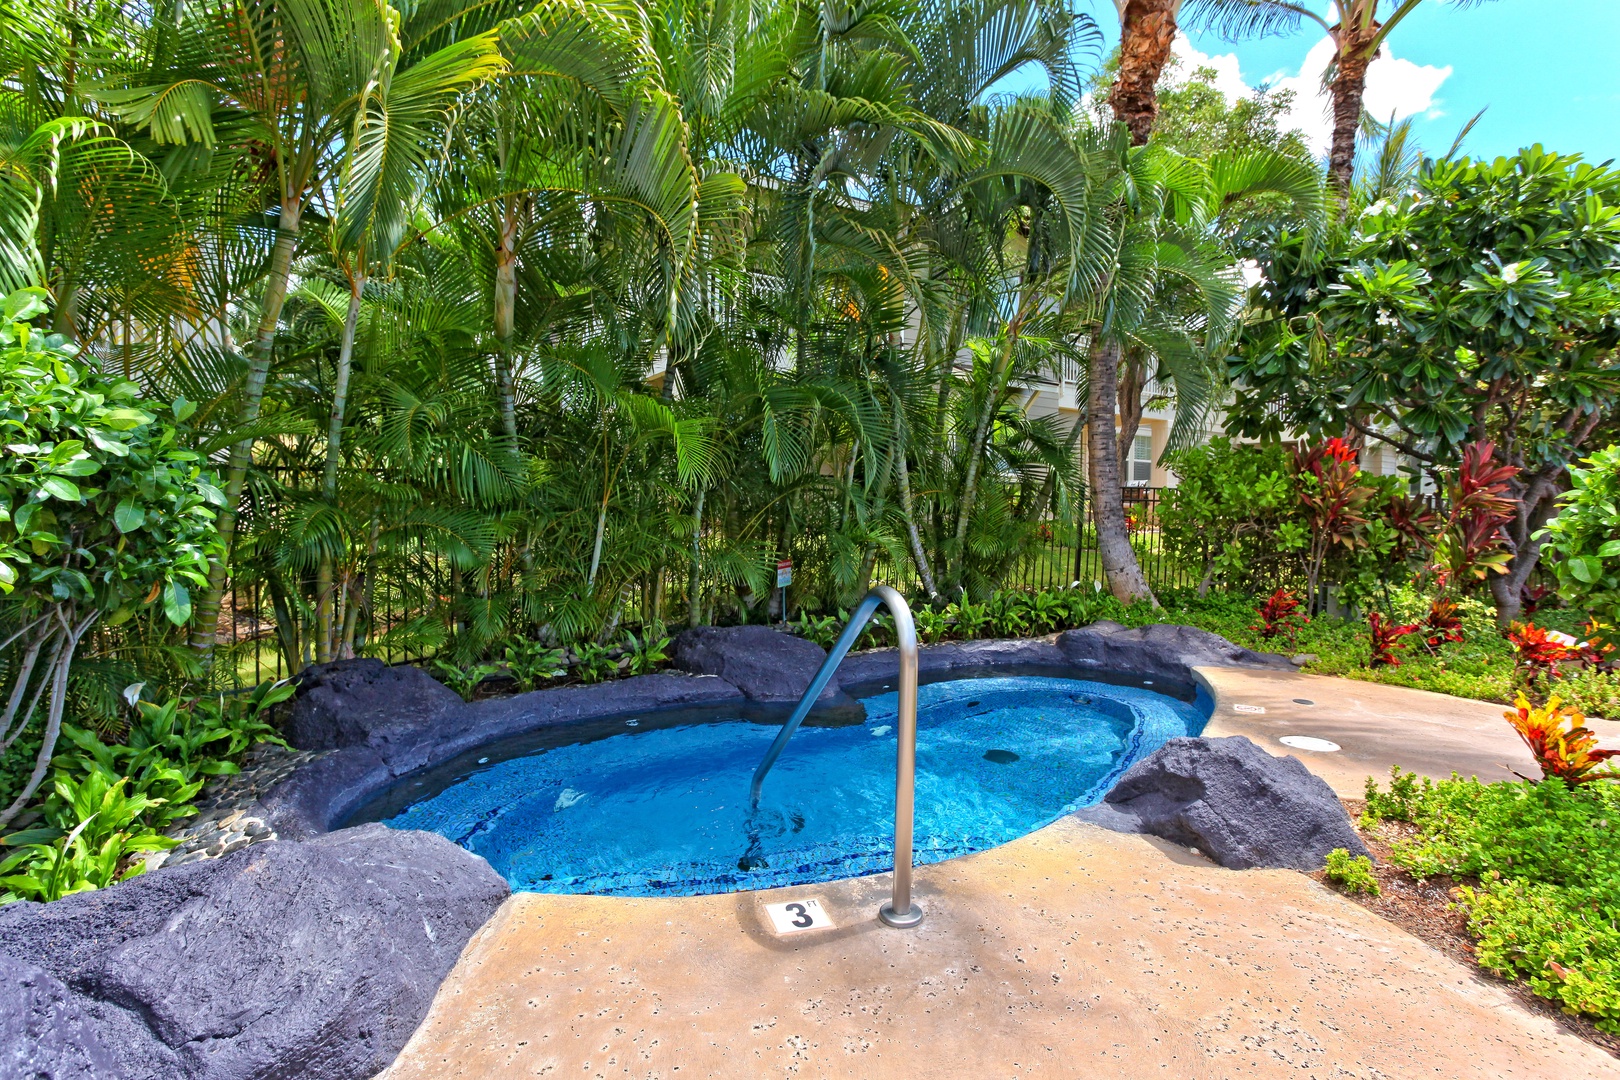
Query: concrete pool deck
{"x": 1070, "y": 952}
{"x": 1375, "y": 725}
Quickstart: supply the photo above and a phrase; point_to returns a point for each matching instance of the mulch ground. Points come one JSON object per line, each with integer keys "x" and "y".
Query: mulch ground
{"x": 1425, "y": 910}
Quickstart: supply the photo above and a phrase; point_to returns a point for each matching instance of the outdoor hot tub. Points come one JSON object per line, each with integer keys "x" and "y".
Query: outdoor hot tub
{"x": 657, "y": 804}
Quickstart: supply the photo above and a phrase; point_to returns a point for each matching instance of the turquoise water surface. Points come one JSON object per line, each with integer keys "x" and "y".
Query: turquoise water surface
{"x": 664, "y": 811}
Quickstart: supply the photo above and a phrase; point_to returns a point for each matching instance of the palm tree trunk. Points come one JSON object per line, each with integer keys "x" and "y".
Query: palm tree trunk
{"x": 1132, "y": 381}
{"x": 326, "y": 624}
{"x": 1147, "y": 31}
{"x": 1124, "y": 574}
{"x": 694, "y": 587}
{"x": 205, "y": 617}
{"x": 1348, "y": 86}
{"x": 505, "y": 318}
{"x": 924, "y": 571}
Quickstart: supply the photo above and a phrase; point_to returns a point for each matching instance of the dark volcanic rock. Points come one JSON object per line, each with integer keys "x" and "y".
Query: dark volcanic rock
{"x": 764, "y": 663}
{"x": 314, "y": 960}
{"x": 352, "y": 702}
{"x": 1162, "y": 649}
{"x": 44, "y": 1034}
{"x": 1232, "y": 801}
{"x": 883, "y": 665}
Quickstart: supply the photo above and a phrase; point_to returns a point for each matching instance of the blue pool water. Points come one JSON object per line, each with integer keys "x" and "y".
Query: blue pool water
{"x": 664, "y": 812}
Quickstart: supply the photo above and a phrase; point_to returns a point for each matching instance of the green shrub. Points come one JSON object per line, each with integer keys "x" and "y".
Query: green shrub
{"x": 592, "y": 664}
{"x": 1404, "y": 800}
{"x": 463, "y": 680}
{"x": 1583, "y": 541}
{"x": 1352, "y": 873}
{"x": 1547, "y": 861}
{"x": 647, "y": 653}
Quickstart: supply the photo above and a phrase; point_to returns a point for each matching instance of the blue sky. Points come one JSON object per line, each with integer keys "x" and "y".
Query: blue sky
{"x": 1547, "y": 69}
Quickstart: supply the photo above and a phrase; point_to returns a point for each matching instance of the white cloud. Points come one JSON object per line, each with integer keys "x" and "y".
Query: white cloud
{"x": 1394, "y": 86}
{"x": 1228, "y": 75}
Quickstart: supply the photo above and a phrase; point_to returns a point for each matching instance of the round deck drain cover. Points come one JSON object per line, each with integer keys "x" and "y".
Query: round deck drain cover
{"x": 1305, "y": 742}
{"x": 1303, "y": 701}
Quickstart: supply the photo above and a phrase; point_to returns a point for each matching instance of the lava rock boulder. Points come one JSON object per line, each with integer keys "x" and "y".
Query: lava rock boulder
{"x": 313, "y": 959}
{"x": 362, "y": 702}
{"x": 1232, "y": 801}
{"x": 764, "y": 663}
{"x": 1164, "y": 650}
{"x": 44, "y": 1034}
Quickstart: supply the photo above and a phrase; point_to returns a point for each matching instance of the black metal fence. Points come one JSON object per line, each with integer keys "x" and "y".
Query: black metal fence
{"x": 415, "y": 584}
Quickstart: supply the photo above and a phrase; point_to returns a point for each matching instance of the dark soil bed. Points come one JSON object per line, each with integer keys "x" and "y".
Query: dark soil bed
{"x": 1425, "y": 910}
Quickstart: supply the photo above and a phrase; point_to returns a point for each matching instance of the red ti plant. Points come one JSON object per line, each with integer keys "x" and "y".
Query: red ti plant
{"x": 1415, "y": 527}
{"x": 1333, "y": 495}
{"x": 1386, "y": 639}
{"x": 1441, "y": 624}
{"x": 1279, "y": 615}
{"x": 1539, "y": 652}
{"x": 1531, "y": 597}
{"x": 1471, "y": 542}
{"x": 1571, "y": 756}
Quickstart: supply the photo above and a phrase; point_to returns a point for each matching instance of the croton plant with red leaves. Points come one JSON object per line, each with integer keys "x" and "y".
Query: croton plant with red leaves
{"x": 1386, "y": 639}
{"x": 1441, "y": 624}
{"x": 1279, "y": 615}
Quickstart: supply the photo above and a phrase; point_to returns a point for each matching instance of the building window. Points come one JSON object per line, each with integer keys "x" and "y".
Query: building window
{"x": 1141, "y": 468}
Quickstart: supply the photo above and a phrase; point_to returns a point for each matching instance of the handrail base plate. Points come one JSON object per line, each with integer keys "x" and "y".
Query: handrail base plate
{"x": 911, "y": 918}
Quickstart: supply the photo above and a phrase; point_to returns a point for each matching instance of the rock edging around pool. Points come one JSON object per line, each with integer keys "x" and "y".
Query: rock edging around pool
{"x": 382, "y": 723}
{"x": 316, "y": 952}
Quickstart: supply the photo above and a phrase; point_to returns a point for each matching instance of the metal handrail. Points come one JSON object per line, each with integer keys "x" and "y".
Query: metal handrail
{"x": 899, "y": 911}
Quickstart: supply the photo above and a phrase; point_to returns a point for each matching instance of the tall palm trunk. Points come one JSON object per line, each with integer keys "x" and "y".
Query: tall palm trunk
{"x": 326, "y": 581}
{"x": 1347, "y": 89}
{"x": 506, "y": 316}
{"x": 925, "y": 571}
{"x": 1147, "y": 31}
{"x": 205, "y": 616}
{"x": 694, "y": 588}
{"x": 996, "y": 386}
{"x": 1124, "y": 573}
{"x": 1132, "y": 383}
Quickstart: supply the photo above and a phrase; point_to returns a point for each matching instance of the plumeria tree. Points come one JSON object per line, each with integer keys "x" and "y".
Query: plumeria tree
{"x": 1482, "y": 303}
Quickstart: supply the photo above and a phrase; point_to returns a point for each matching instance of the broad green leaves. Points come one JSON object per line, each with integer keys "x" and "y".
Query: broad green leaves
{"x": 100, "y": 505}
{"x": 1584, "y": 539}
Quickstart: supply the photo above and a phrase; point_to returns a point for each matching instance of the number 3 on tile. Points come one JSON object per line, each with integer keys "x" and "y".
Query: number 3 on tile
{"x": 797, "y": 915}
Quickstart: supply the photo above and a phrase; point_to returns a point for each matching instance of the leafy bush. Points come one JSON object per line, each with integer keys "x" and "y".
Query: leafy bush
{"x": 111, "y": 803}
{"x": 1539, "y": 653}
{"x": 1408, "y": 794}
{"x": 1442, "y": 624}
{"x": 647, "y": 653}
{"x": 1583, "y": 541}
{"x": 463, "y": 680}
{"x": 531, "y": 663}
{"x": 1546, "y": 859}
{"x": 1354, "y": 874}
{"x": 1228, "y": 504}
{"x": 593, "y": 663}
{"x": 103, "y": 514}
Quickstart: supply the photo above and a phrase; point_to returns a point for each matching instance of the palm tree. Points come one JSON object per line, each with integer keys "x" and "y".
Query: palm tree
{"x": 292, "y": 81}
{"x": 1357, "y": 33}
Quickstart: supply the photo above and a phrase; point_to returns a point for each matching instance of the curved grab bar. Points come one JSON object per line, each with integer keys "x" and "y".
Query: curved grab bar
{"x": 900, "y": 911}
